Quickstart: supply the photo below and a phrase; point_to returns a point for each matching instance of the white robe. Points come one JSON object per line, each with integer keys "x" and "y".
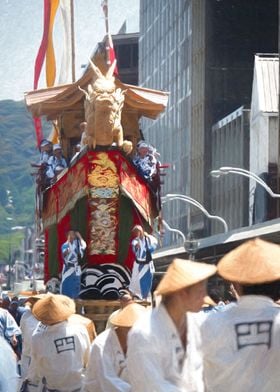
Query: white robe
{"x": 156, "y": 359}
{"x": 241, "y": 347}
{"x": 28, "y": 324}
{"x": 106, "y": 371}
{"x": 59, "y": 353}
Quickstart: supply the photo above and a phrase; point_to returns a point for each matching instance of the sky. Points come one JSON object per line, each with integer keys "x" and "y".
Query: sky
{"x": 21, "y": 29}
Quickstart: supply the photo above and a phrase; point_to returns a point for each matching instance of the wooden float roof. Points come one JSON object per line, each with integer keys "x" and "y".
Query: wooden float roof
{"x": 53, "y": 101}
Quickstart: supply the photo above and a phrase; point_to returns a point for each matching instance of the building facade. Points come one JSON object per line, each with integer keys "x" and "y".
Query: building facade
{"x": 202, "y": 51}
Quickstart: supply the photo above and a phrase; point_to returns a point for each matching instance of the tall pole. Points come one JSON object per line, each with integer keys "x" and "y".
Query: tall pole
{"x": 72, "y": 40}
{"x": 10, "y": 253}
{"x": 10, "y": 260}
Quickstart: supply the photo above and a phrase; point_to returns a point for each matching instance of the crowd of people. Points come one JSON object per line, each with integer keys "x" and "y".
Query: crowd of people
{"x": 52, "y": 162}
{"x": 173, "y": 346}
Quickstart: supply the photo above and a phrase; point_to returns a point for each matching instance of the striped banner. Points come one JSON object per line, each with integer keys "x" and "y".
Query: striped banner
{"x": 50, "y": 56}
{"x": 65, "y": 69}
{"x": 39, "y": 64}
{"x": 44, "y": 44}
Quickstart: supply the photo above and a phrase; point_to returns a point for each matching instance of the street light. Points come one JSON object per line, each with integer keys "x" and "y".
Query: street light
{"x": 246, "y": 173}
{"x": 194, "y": 202}
{"x": 174, "y": 230}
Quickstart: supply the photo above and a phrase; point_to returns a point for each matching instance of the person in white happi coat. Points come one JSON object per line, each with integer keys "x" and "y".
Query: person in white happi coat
{"x": 28, "y": 324}
{"x": 125, "y": 299}
{"x": 106, "y": 371}
{"x": 45, "y": 151}
{"x": 59, "y": 348}
{"x": 143, "y": 244}
{"x": 241, "y": 346}
{"x": 72, "y": 250}
{"x": 55, "y": 160}
{"x": 162, "y": 348}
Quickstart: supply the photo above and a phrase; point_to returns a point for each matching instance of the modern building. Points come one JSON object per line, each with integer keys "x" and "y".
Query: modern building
{"x": 230, "y": 147}
{"x": 126, "y": 49}
{"x": 202, "y": 51}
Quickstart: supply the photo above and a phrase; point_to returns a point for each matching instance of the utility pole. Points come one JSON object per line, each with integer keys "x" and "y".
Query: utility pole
{"x": 9, "y": 254}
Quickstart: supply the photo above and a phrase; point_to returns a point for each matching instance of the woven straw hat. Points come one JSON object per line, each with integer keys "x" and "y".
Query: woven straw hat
{"x": 127, "y": 316}
{"x": 34, "y": 298}
{"x": 53, "y": 309}
{"x": 86, "y": 322}
{"x": 254, "y": 262}
{"x": 183, "y": 273}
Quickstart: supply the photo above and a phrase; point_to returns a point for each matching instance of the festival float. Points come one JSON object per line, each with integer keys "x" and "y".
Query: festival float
{"x": 101, "y": 193}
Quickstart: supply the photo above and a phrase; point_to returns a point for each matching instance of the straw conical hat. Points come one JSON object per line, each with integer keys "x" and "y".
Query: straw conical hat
{"x": 254, "y": 262}
{"x": 86, "y": 322}
{"x": 183, "y": 273}
{"x": 34, "y": 298}
{"x": 53, "y": 309}
{"x": 127, "y": 316}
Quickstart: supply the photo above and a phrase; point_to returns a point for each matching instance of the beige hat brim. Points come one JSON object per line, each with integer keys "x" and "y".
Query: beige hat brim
{"x": 254, "y": 262}
{"x": 86, "y": 322}
{"x": 183, "y": 273}
{"x": 53, "y": 309}
{"x": 34, "y": 298}
{"x": 127, "y": 316}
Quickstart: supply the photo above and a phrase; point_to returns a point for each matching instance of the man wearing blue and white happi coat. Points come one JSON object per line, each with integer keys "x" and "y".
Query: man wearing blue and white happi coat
{"x": 72, "y": 250}
{"x": 143, "y": 245}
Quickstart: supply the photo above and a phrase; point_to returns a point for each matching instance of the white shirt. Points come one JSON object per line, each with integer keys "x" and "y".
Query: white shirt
{"x": 28, "y": 323}
{"x": 59, "y": 353}
{"x": 156, "y": 359}
{"x": 106, "y": 371}
{"x": 241, "y": 347}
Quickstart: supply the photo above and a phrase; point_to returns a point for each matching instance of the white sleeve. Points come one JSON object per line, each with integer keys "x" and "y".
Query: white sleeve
{"x": 32, "y": 374}
{"x": 144, "y": 370}
{"x": 153, "y": 242}
{"x": 100, "y": 373}
{"x": 83, "y": 244}
{"x": 11, "y": 326}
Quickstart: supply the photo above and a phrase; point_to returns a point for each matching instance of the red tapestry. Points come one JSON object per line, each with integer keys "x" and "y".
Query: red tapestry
{"x": 101, "y": 176}
{"x": 63, "y": 195}
{"x": 134, "y": 187}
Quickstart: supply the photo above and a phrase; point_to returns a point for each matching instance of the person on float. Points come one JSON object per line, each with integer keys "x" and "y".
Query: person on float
{"x": 56, "y": 160}
{"x": 72, "y": 251}
{"x": 143, "y": 244}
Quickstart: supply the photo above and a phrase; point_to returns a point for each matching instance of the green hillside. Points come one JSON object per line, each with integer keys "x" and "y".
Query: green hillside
{"x": 18, "y": 150}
